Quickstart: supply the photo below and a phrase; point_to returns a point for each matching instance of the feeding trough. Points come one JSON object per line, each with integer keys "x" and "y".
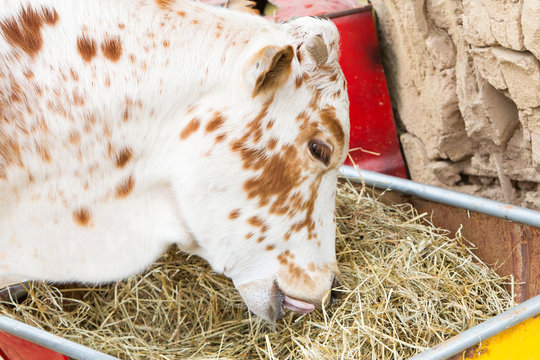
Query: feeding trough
{"x": 388, "y": 160}
{"x": 387, "y": 293}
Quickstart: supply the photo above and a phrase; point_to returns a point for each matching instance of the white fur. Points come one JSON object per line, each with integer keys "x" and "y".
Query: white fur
{"x": 184, "y": 190}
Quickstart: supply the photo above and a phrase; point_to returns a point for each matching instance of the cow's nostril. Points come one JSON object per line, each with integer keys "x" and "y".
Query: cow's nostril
{"x": 334, "y": 294}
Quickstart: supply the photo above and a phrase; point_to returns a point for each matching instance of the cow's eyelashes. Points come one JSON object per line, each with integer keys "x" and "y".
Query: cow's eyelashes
{"x": 320, "y": 151}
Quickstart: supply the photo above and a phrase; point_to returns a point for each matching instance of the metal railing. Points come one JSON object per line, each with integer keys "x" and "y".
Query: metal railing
{"x": 443, "y": 196}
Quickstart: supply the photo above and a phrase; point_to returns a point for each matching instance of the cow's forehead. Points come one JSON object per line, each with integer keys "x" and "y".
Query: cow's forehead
{"x": 279, "y": 175}
{"x": 319, "y": 109}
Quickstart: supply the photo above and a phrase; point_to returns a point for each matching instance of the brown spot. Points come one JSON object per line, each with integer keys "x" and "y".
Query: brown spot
{"x": 50, "y": 17}
{"x": 164, "y": 4}
{"x": 296, "y": 273}
{"x": 269, "y": 124}
{"x": 132, "y": 58}
{"x": 190, "y": 128}
{"x": 121, "y": 26}
{"x": 112, "y": 49}
{"x": 303, "y": 117}
{"x": 29, "y": 74}
{"x": 74, "y": 75}
{"x": 272, "y": 144}
{"x": 329, "y": 120}
{"x": 74, "y": 137}
{"x": 195, "y": 22}
{"x": 25, "y": 32}
{"x": 78, "y": 99}
{"x": 234, "y": 214}
{"x": 87, "y": 48}
{"x": 314, "y": 102}
{"x": 43, "y": 153}
{"x": 125, "y": 114}
{"x": 280, "y": 174}
{"x": 258, "y": 222}
{"x": 249, "y": 235}
{"x": 292, "y": 273}
{"x": 260, "y": 239}
{"x": 10, "y": 153}
{"x": 257, "y": 135}
{"x": 110, "y": 149}
{"x": 220, "y": 137}
{"x": 217, "y": 120}
{"x": 81, "y": 216}
{"x": 16, "y": 92}
{"x": 165, "y": 43}
{"x": 123, "y": 157}
{"x": 311, "y": 266}
{"x": 282, "y": 258}
{"x": 124, "y": 188}
{"x": 181, "y": 13}
{"x": 270, "y": 247}
{"x": 254, "y": 127}
{"x": 298, "y": 81}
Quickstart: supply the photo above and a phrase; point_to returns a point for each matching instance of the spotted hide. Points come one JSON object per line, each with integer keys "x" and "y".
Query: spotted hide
{"x": 127, "y": 126}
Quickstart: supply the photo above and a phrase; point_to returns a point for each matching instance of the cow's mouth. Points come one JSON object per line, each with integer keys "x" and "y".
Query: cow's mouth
{"x": 297, "y": 306}
{"x": 282, "y": 301}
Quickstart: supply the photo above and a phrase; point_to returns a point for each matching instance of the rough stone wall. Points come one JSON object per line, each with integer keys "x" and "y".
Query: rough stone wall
{"x": 464, "y": 78}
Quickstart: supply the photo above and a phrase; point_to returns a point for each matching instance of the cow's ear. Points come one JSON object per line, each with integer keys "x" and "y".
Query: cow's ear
{"x": 269, "y": 68}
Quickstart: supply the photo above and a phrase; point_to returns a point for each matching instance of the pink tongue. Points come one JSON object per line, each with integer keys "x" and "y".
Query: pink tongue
{"x": 297, "y": 305}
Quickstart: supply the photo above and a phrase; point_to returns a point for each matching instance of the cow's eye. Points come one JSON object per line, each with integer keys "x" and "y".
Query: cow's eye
{"x": 320, "y": 151}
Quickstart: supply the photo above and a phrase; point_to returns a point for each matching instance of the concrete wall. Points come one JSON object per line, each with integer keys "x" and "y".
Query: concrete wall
{"x": 464, "y": 78}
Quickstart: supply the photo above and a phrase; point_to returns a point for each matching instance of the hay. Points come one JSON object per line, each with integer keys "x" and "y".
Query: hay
{"x": 405, "y": 287}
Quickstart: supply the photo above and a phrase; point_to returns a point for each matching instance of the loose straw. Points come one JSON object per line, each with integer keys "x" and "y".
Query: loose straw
{"x": 406, "y": 286}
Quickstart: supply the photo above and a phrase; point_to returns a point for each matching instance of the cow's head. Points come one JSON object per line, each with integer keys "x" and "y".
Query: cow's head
{"x": 261, "y": 208}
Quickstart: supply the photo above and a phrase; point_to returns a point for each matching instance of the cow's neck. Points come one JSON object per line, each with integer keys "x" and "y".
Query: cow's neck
{"x": 188, "y": 71}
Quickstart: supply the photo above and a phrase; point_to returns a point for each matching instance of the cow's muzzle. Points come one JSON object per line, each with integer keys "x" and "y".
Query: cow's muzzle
{"x": 266, "y": 299}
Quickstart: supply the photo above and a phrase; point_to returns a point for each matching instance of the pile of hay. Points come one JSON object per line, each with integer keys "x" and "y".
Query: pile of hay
{"x": 406, "y": 287}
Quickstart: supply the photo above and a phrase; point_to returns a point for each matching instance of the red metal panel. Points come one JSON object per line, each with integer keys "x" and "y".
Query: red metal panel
{"x": 14, "y": 348}
{"x": 373, "y": 131}
{"x": 374, "y": 141}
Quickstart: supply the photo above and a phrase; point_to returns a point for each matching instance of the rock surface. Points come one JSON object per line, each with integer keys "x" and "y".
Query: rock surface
{"x": 464, "y": 78}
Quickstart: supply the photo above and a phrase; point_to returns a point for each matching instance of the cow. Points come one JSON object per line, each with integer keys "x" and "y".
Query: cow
{"x": 128, "y": 126}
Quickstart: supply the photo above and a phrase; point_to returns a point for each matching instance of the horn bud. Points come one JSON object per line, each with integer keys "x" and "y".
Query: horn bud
{"x": 318, "y": 50}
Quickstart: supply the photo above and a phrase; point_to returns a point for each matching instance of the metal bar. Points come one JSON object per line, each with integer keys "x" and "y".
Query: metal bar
{"x": 483, "y": 331}
{"x": 50, "y": 341}
{"x": 443, "y": 196}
